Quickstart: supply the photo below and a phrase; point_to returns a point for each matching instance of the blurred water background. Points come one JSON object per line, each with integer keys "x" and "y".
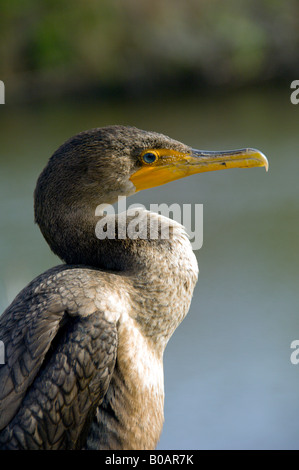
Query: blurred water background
{"x": 215, "y": 78}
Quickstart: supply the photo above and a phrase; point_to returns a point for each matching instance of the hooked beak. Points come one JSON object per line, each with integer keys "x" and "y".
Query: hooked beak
{"x": 242, "y": 158}
{"x": 173, "y": 165}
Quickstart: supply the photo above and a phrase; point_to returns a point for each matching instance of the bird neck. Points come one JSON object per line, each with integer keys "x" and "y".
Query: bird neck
{"x": 123, "y": 242}
{"x": 161, "y": 269}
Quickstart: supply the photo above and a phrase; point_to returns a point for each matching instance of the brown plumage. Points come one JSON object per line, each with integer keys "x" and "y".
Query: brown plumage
{"x": 84, "y": 341}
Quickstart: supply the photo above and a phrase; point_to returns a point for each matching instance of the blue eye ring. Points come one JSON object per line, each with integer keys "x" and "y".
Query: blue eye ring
{"x": 149, "y": 157}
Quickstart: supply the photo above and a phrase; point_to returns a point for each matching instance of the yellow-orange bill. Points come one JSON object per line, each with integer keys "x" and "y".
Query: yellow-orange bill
{"x": 173, "y": 165}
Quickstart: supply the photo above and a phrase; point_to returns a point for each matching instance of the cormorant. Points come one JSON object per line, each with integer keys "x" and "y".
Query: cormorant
{"x": 84, "y": 341}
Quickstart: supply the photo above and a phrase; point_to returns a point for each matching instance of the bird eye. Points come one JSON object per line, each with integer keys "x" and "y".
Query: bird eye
{"x": 149, "y": 157}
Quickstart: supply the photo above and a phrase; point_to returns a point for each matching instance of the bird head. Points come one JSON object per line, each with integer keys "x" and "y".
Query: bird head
{"x": 118, "y": 160}
{"x": 98, "y": 165}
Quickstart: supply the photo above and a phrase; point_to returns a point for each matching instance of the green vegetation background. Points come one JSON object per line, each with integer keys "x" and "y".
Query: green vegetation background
{"x": 132, "y": 46}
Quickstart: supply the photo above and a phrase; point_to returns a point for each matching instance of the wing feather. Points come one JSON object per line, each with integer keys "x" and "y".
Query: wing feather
{"x": 59, "y": 359}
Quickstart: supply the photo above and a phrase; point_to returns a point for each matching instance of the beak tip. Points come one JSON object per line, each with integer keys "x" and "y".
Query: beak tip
{"x": 266, "y": 165}
{"x": 240, "y": 158}
{"x": 263, "y": 159}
